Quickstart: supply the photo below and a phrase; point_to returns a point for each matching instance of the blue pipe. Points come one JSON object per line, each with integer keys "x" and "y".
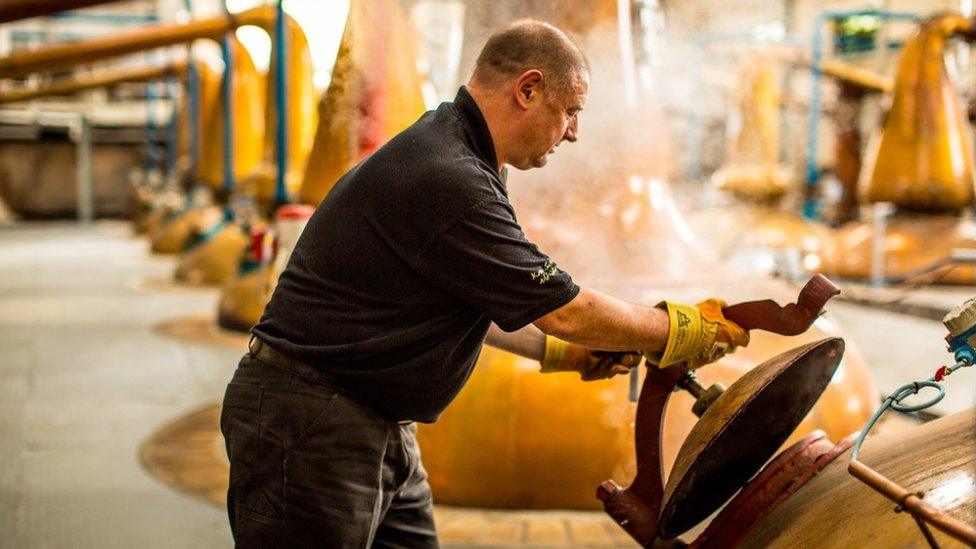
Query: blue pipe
{"x": 226, "y": 86}
{"x": 171, "y": 138}
{"x": 193, "y": 112}
{"x": 25, "y": 35}
{"x": 811, "y": 208}
{"x": 110, "y": 18}
{"x": 150, "y": 131}
{"x": 281, "y": 83}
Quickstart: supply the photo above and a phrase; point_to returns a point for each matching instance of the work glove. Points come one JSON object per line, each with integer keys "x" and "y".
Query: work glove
{"x": 698, "y": 335}
{"x": 562, "y": 356}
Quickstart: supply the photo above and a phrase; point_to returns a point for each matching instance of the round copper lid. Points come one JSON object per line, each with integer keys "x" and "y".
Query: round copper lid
{"x": 742, "y": 430}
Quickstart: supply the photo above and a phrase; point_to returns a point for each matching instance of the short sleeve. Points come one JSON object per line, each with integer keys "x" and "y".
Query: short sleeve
{"x": 484, "y": 259}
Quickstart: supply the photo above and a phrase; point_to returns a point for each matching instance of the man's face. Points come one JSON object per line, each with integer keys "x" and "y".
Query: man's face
{"x": 549, "y": 122}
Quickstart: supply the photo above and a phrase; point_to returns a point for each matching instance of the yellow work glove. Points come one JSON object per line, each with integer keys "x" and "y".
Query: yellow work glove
{"x": 562, "y": 356}
{"x": 698, "y": 335}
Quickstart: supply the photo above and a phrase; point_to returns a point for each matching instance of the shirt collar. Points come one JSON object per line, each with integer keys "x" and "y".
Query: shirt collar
{"x": 477, "y": 128}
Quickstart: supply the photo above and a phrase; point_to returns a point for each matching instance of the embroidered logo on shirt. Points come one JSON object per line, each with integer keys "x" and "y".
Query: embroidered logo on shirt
{"x": 546, "y": 272}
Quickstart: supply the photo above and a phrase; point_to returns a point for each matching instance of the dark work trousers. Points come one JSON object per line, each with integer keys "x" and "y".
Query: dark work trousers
{"x": 311, "y": 467}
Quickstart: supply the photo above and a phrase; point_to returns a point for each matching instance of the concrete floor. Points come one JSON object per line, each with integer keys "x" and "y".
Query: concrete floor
{"x": 86, "y": 378}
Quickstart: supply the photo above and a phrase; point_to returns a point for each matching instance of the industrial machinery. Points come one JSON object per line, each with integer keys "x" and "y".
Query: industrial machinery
{"x": 798, "y": 498}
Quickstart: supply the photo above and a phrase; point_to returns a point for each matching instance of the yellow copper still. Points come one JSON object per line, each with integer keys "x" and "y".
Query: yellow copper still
{"x": 185, "y": 229}
{"x": 375, "y": 92}
{"x": 218, "y": 261}
{"x": 248, "y": 90}
{"x": 836, "y": 510}
{"x": 249, "y": 87}
{"x": 302, "y": 118}
{"x": 174, "y": 235}
{"x": 752, "y": 170}
{"x": 923, "y": 161}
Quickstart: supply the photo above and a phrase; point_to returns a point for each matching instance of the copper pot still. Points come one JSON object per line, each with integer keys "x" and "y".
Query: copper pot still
{"x": 922, "y": 164}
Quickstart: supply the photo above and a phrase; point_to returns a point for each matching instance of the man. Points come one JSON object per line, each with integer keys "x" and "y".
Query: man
{"x": 410, "y": 262}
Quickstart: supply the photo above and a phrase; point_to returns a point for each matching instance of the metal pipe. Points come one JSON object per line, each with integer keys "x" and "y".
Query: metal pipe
{"x": 912, "y": 503}
{"x": 879, "y": 227}
{"x": 227, "y": 90}
{"x": 863, "y": 78}
{"x": 66, "y": 86}
{"x": 151, "y": 137}
{"x": 83, "y": 171}
{"x": 193, "y": 113}
{"x": 281, "y": 81}
{"x": 13, "y": 10}
{"x": 62, "y": 56}
{"x": 172, "y": 141}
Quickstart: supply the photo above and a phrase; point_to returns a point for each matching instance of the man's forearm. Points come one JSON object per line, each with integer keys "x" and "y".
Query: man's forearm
{"x": 600, "y": 321}
{"x": 529, "y": 342}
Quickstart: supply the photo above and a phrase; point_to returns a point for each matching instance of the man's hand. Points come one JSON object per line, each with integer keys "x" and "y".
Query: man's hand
{"x": 698, "y": 335}
{"x": 561, "y": 356}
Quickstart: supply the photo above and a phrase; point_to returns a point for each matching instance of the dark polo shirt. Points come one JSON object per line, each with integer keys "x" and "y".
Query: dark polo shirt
{"x": 395, "y": 280}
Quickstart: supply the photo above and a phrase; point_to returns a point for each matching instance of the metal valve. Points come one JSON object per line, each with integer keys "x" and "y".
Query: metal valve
{"x": 703, "y": 397}
{"x": 961, "y": 323}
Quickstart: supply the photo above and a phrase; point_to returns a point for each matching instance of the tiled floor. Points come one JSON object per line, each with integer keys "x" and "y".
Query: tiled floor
{"x": 100, "y": 349}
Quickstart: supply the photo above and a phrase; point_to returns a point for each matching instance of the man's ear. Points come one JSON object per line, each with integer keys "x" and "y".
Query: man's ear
{"x": 528, "y": 87}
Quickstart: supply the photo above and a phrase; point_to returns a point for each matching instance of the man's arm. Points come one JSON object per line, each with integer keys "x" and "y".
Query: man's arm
{"x": 598, "y": 321}
{"x": 529, "y": 342}
{"x": 559, "y": 356}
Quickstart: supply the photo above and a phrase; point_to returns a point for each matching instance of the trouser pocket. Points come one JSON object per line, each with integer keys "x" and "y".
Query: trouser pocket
{"x": 254, "y": 504}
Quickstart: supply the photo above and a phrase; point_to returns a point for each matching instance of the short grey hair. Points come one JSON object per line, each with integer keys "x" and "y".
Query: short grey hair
{"x": 528, "y": 44}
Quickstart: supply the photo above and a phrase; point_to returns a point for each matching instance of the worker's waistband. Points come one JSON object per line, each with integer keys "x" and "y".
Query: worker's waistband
{"x": 263, "y": 352}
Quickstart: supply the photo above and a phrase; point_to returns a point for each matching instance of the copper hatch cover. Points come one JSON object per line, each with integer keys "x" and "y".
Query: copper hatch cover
{"x": 743, "y": 429}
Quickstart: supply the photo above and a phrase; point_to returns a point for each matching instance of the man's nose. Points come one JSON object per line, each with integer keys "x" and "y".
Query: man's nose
{"x": 572, "y": 131}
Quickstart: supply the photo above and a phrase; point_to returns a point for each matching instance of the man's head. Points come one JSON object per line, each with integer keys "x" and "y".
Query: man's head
{"x": 530, "y": 82}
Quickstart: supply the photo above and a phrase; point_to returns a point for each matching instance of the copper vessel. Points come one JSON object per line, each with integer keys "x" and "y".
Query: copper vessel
{"x": 176, "y": 234}
{"x": 752, "y": 170}
{"x": 249, "y": 124}
{"x": 242, "y": 300}
{"x": 216, "y": 260}
{"x": 912, "y": 243}
{"x": 302, "y": 119}
{"x": 923, "y": 160}
{"x": 374, "y": 94}
{"x": 937, "y": 459}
